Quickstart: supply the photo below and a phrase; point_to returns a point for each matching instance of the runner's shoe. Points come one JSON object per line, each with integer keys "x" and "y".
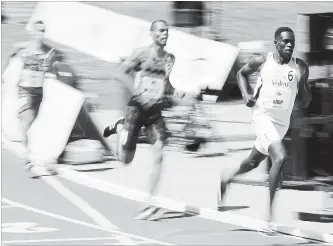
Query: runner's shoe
{"x": 39, "y": 169}
{"x": 150, "y": 211}
{"x": 269, "y": 230}
{"x": 112, "y": 129}
{"x": 146, "y": 213}
{"x": 28, "y": 165}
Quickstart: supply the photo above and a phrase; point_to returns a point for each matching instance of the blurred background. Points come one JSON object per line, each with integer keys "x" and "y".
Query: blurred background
{"x": 248, "y": 25}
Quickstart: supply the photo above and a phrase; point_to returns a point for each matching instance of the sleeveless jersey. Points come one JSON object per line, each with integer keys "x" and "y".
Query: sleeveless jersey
{"x": 152, "y": 77}
{"x": 33, "y": 74}
{"x": 276, "y": 90}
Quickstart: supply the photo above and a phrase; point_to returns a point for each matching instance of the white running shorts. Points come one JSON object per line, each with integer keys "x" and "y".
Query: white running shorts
{"x": 267, "y": 132}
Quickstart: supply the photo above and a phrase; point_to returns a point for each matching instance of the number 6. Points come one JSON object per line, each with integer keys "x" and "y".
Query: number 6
{"x": 290, "y": 76}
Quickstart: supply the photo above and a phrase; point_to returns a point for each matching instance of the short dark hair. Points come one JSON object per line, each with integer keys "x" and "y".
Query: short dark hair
{"x": 153, "y": 24}
{"x": 39, "y": 22}
{"x": 281, "y": 30}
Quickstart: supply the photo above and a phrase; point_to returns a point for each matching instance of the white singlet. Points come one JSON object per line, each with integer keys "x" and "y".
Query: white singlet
{"x": 33, "y": 73}
{"x": 276, "y": 92}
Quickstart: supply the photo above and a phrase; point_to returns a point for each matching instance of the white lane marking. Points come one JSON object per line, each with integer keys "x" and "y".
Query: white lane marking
{"x": 61, "y": 240}
{"x": 85, "y": 207}
{"x": 67, "y": 219}
{"x": 101, "y": 185}
{"x": 80, "y": 203}
{"x": 25, "y": 227}
{"x": 135, "y": 195}
{"x": 8, "y": 206}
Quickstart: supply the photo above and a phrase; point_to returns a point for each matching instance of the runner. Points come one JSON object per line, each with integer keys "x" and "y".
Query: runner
{"x": 282, "y": 85}
{"x": 37, "y": 59}
{"x": 154, "y": 65}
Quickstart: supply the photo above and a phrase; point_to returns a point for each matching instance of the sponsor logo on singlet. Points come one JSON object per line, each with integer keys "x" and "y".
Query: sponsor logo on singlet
{"x": 152, "y": 83}
{"x": 281, "y": 83}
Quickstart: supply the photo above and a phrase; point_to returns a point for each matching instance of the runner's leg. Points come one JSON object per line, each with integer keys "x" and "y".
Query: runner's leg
{"x": 159, "y": 135}
{"x": 248, "y": 164}
{"x": 128, "y": 133}
{"x": 279, "y": 158}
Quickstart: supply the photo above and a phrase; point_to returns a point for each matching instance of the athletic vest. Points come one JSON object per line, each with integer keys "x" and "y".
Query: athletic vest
{"x": 276, "y": 90}
{"x": 152, "y": 77}
{"x": 33, "y": 74}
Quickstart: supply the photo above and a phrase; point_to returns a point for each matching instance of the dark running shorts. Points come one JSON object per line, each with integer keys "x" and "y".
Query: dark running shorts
{"x": 30, "y": 97}
{"x": 136, "y": 117}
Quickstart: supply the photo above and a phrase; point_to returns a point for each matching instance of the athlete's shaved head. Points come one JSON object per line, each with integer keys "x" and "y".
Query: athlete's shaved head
{"x": 159, "y": 30}
{"x": 281, "y": 30}
{"x": 155, "y": 22}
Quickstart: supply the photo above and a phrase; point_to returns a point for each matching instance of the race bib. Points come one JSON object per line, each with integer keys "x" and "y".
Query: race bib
{"x": 32, "y": 78}
{"x": 151, "y": 88}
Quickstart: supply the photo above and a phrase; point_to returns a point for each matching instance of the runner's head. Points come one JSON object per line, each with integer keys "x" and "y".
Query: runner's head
{"x": 38, "y": 31}
{"x": 284, "y": 40}
{"x": 159, "y": 30}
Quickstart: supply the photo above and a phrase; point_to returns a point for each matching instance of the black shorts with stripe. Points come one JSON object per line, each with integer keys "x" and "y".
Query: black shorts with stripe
{"x": 136, "y": 116}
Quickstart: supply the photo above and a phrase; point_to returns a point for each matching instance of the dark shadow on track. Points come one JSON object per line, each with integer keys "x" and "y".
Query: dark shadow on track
{"x": 175, "y": 215}
{"x": 228, "y": 208}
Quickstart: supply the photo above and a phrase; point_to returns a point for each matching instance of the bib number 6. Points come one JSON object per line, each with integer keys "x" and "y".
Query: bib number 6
{"x": 290, "y": 76}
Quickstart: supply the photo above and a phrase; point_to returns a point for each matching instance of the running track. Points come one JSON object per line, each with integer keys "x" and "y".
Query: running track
{"x": 53, "y": 211}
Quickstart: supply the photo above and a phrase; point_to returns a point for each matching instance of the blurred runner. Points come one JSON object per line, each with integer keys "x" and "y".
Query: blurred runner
{"x": 37, "y": 58}
{"x": 154, "y": 66}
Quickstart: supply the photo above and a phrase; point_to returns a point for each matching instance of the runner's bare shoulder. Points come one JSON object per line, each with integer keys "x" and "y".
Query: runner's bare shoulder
{"x": 257, "y": 62}
{"x": 303, "y": 68}
{"x": 134, "y": 60}
{"x": 304, "y": 96}
{"x": 142, "y": 52}
{"x": 18, "y": 49}
{"x": 254, "y": 64}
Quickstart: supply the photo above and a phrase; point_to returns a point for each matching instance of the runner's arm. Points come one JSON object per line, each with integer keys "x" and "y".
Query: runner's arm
{"x": 304, "y": 95}
{"x": 126, "y": 67}
{"x": 16, "y": 51}
{"x": 253, "y": 65}
{"x": 170, "y": 90}
{"x": 53, "y": 56}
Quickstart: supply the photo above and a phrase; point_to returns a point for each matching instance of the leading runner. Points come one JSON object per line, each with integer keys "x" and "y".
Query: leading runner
{"x": 281, "y": 87}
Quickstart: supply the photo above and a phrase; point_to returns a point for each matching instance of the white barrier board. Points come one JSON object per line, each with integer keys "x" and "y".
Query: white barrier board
{"x": 49, "y": 133}
{"x": 110, "y": 36}
{"x": 11, "y": 126}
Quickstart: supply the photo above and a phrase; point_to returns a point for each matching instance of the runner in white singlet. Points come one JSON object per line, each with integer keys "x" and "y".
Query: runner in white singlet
{"x": 282, "y": 85}
{"x": 276, "y": 91}
{"x": 37, "y": 59}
